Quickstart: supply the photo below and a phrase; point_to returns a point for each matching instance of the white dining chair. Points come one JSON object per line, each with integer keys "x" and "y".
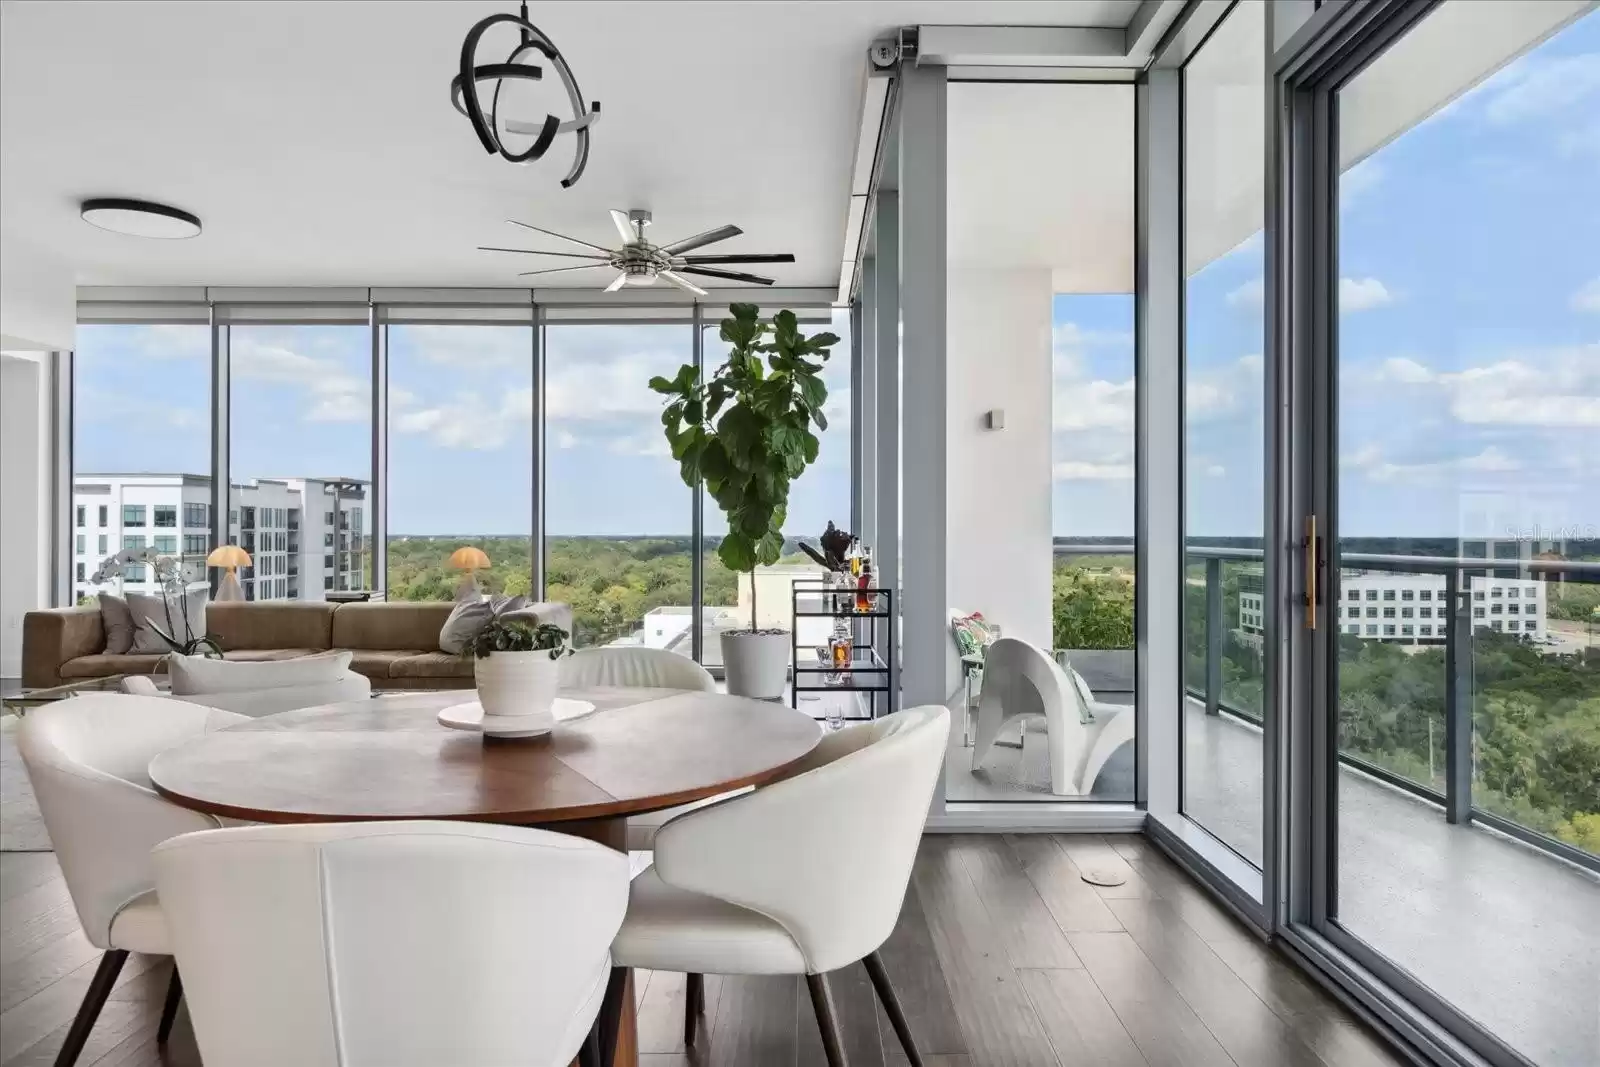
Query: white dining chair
{"x": 1021, "y": 681}
{"x": 638, "y": 666}
{"x": 88, "y": 758}
{"x": 801, "y": 876}
{"x": 392, "y": 944}
{"x": 635, "y": 666}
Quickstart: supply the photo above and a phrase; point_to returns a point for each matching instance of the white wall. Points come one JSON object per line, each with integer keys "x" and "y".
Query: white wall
{"x": 38, "y": 299}
{"x": 24, "y": 458}
{"x": 998, "y": 481}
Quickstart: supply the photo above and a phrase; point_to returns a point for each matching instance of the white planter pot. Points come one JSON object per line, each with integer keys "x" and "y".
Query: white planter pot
{"x": 517, "y": 691}
{"x": 757, "y": 665}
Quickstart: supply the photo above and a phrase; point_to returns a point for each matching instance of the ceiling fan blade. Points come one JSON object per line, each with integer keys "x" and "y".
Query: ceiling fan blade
{"x": 557, "y": 270}
{"x": 622, "y": 279}
{"x": 683, "y": 283}
{"x": 700, "y": 240}
{"x": 560, "y": 236}
{"x": 731, "y": 275}
{"x": 624, "y": 227}
{"x": 542, "y": 252}
{"x": 753, "y": 257}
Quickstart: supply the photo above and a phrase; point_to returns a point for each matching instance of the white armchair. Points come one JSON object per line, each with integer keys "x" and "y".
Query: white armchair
{"x": 791, "y": 878}
{"x": 259, "y": 688}
{"x": 1022, "y": 680}
{"x": 405, "y": 944}
{"x": 635, "y": 665}
{"x": 88, "y": 759}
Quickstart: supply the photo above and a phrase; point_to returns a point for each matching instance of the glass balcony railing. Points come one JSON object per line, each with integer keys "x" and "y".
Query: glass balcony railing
{"x": 1474, "y": 684}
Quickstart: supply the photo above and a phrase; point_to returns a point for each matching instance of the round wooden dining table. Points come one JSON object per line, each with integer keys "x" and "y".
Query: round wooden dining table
{"x": 388, "y": 757}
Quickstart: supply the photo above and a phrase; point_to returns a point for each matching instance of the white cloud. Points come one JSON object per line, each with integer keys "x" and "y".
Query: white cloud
{"x": 1079, "y": 471}
{"x": 465, "y": 346}
{"x": 1370, "y": 460}
{"x": 1251, "y": 364}
{"x": 469, "y": 421}
{"x": 1249, "y": 295}
{"x": 1093, "y": 405}
{"x": 1360, "y": 294}
{"x": 1359, "y": 180}
{"x": 1403, "y": 370}
{"x": 1587, "y": 298}
{"x": 1541, "y": 86}
{"x": 566, "y": 440}
{"x": 1552, "y": 387}
{"x": 1564, "y": 391}
{"x": 640, "y": 444}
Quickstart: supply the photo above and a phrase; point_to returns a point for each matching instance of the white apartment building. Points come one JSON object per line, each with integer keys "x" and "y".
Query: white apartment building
{"x": 304, "y": 535}
{"x": 1411, "y": 608}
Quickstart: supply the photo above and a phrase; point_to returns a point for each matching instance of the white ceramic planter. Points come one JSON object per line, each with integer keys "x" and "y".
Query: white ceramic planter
{"x": 517, "y": 691}
{"x": 757, "y": 665}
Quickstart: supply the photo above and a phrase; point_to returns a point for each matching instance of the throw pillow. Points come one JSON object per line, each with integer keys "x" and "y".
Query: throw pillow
{"x": 193, "y": 675}
{"x": 153, "y": 611}
{"x": 117, "y": 622}
{"x": 470, "y": 616}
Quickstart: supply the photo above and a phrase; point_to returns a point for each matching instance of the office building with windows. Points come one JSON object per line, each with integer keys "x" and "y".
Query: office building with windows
{"x": 1412, "y": 609}
{"x": 304, "y": 535}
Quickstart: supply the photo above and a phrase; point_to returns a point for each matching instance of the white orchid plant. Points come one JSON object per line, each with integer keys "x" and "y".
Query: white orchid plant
{"x": 169, "y": 575}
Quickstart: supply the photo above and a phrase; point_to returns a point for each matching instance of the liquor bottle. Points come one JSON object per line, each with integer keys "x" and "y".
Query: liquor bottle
{"x": 864, "y": 599}
{"x": 852, "y": 557}
{"x": 839, "y": 651}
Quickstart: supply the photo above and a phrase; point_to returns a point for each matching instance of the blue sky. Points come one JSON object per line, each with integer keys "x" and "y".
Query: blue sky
{"x": 461, "y": 416}
{"x": 1469, "y": 367}
{"x": 1469, "y": 334}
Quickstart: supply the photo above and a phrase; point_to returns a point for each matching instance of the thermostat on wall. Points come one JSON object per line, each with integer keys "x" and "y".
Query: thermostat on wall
{"x": 994, "y": 419}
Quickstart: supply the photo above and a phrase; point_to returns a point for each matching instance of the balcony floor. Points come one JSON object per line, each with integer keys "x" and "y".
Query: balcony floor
{"x": 1509, "y": 935}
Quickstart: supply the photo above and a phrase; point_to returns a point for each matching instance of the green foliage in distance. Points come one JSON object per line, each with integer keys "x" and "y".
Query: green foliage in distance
{"x": 746, "y": 432}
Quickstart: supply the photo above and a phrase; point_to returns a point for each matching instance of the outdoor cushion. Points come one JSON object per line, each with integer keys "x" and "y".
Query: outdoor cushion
{"x": 197, "y": 674}
{"x": 377, "y": 662}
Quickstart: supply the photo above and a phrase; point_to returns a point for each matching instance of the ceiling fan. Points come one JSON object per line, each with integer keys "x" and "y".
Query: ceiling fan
{"x": 638, "y": 262}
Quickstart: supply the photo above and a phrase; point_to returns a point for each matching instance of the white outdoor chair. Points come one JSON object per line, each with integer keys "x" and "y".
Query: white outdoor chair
{"x": 393, "y": 944}
{"x": 801, "y": 876}
{"x": 634, "y": 665}
{"x": 1022, "y": 680}
{"x": 88, "y": 758}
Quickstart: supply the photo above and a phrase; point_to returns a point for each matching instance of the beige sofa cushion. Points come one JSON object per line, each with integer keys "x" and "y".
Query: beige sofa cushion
{"x": 388, "y": 625}
{"x": 271, "y": 625}
{"x": 432, "y": 665}
{"x": 376, "y": 663}
{"x": 269, "y": 655}
{"x": 102, "y": 664}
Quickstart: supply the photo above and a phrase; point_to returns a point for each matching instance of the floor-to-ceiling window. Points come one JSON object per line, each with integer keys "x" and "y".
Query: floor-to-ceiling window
{"x": 460, "y": 474}
{"x": 1041, "y": 425}
{"x": 1224, "y": 87}
{"x": 300, "y": 457}
{"x": 1467, "y": 428}
{"x": 618, "y": 516}
{"x": 141, "y": 451}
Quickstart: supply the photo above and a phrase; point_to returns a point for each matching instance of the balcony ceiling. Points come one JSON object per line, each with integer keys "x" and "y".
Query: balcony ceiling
{"x": 317, "y": 144}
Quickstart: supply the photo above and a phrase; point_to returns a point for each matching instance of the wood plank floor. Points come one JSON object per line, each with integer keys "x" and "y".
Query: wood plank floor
{"x": 1002, "y": 956}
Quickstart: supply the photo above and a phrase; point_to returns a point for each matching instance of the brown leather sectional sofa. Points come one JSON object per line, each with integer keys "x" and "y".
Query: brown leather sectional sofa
{"x": 396, "y": 645}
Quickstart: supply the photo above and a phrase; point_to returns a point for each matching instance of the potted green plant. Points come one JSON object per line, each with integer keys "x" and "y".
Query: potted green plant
{"x": 746, "y": 434}
{"x": 516, "y": 664}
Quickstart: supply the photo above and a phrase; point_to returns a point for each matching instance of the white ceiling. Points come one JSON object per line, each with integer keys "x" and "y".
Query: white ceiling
{"x": 316, "y": 142}
{"x": 1041, "y": 176}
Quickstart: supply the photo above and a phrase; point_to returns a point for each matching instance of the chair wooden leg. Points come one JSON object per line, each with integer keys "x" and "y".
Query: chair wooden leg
{"x": 827, "y": 1020}
{"x": 609, "y": 1023}
{"x": 694, "y": 1006}
{"x": 169, "y": 1009}
{"x": 891, "y": 1006}
{"x": 589, "y": 1054}
{"x": 105, "y": 977}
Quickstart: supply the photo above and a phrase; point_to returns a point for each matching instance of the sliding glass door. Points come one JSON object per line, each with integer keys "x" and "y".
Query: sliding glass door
{"x": 1458, "y": 500}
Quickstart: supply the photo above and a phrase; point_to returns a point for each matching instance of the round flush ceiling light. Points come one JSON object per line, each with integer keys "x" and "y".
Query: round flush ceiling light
{"x": 139, "y": 218}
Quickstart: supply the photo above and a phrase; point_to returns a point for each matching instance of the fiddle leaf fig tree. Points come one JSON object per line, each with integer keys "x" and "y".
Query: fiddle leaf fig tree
{"x": 746, "y": 433}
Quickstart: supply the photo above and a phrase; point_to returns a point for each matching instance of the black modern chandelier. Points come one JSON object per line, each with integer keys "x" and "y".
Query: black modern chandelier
{"x": 493, "y": 127}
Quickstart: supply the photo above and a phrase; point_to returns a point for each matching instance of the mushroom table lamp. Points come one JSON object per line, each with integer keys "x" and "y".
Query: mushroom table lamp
{"x": 230, "y": 558}
{"x": 471, "y": 561}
